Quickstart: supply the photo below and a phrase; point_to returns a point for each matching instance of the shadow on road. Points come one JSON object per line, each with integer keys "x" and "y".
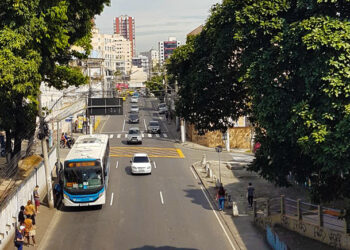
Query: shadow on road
{"x": 161, "y": 248}
{"x": 196, "y": 196}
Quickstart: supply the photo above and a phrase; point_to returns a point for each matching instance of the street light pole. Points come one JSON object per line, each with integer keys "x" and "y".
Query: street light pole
{"x": 219, "y": 150}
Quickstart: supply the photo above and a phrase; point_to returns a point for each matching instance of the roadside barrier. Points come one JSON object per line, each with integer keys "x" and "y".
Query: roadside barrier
{"x": 10, "y": 207}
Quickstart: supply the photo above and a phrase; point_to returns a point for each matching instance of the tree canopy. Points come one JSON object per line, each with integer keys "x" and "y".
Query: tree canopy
{"x": 36, "y": 37}
{"x": 285, "y": 64}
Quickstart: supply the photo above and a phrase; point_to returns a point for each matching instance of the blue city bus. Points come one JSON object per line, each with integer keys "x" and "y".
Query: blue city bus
{"x": 86, "y": 172}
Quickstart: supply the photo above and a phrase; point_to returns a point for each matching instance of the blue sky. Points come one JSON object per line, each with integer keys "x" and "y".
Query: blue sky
{"x": 156, "y": 20}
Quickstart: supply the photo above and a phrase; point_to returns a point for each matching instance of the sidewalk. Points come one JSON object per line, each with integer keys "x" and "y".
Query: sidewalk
{"x": 235, "y": 179}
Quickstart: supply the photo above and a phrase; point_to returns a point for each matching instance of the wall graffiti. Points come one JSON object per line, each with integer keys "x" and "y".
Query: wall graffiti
{"x": 335, "y": 240}
{"x": 299, "y": 226}
{"x": 319, "y": 233}
{"x": 285, "y": 221}
{"x": 263, "y": 221}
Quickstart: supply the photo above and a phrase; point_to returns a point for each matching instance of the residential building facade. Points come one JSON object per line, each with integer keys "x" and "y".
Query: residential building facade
{"x": 141, "y": 62}
{"x": 125, "y": 26}
{"x": 114, "y": 49}
{"x": 153, "y": 57}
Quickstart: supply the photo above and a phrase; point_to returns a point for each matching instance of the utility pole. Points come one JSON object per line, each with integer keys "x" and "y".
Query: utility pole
{"x": 46, "y": 158}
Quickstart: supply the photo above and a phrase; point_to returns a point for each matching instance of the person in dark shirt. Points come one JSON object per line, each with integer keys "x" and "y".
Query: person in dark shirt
{"x": 21, "y": 215}
{"x": 250, "y": 194}
{"x": 19, "y": 240}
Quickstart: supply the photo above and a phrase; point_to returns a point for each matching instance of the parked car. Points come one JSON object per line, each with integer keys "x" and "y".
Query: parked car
{"x": 141, "y": 164}
{"x": 134, "y": 108}
{"x": 162, "y": 108}
{"x": 134, "y": 99}
{"x": 134, "y": 118}
{"x": 134, "y": 136}
{"x": 153, "y": 127}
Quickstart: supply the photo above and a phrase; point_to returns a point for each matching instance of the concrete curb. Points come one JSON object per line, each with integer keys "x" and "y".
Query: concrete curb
{"x": 203, "y": 148}
{"x": 214, "y": 204}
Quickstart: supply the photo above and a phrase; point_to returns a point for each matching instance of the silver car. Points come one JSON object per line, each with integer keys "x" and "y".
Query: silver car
{"x": 154, "y": 127}
{"x": 134, "y": 136}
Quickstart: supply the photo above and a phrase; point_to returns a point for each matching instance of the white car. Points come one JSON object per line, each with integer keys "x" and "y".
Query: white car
{"x": 134, "y": 108}
{"x": 141, "y": 164}
{"x": 134, "y": 99}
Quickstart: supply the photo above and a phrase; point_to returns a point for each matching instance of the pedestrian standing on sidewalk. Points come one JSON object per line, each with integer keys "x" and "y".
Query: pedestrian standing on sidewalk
{"x": 29, "y": 210}
{"x": 250, "y": 194}
{"x": 21, "y": 215}
{"x": 220, "y": 196}
{"x": 19, "y": 239}
{"x": 29, "y": 230}
{"x": 36, "y": 198}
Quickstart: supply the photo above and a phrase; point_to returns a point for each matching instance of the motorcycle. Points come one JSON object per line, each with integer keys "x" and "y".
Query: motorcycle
{"x": 70, "y": 142}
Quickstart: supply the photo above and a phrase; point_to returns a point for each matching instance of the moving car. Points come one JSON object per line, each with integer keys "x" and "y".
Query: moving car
{"x": 141, "y": 164}
{"x": 134, "y": 108}
{"x": 162, "y": 108}
{"x": 153, "y": 127}
{"x": 134, "y": 136}
{"x": 134, "y": 118}
{"x": 134, "y": 99}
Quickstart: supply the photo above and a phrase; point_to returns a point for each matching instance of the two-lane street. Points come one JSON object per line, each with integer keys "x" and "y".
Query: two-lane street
{"x": 165, "y": 209}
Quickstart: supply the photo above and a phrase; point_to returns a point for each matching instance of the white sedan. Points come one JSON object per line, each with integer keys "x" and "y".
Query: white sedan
{"x": 134, "y": 108}
{"x": 141, "y": 164}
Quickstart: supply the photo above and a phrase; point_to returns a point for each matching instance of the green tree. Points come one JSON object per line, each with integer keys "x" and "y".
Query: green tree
{"x": 36, "y": 37}
{"x": 155, "y": 85}
{"x": 285, "y": 63}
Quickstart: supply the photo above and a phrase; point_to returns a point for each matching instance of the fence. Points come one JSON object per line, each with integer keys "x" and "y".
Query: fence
{"x": 314, "y": 221}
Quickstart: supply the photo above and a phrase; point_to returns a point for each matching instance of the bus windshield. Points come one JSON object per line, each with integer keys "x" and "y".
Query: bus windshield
{"x": 83, "y": 178}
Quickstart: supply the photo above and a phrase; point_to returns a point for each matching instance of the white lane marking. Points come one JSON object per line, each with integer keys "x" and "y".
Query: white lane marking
{"x": 111, "y": 199}
{"x": 165, "y": 135}
{"x": 161, "y": 197}
{"x": 143, "y": 135}
{"x": 195, "y": 176}
{"x": 217, "y": 217}
{"x": 123, "y": 126}
{"x": 117, "y": 164}
{"x": 154, "y": 163}
{"x": 144, "y": 122}
{"x": 111, "y": 136}
{"x": 119, "y": 135}
{"x": 126, "y": 135}
{"x": 157, "y": 135}
{"x": 149, "y": 135}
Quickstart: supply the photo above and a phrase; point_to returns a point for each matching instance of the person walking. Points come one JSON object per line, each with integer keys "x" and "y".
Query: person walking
{"x": 250, "y": 194}
{"x": 19, "y": 240}
{"x": 220, "y": 196}
{"x": 36, "y": 198}
{"x": 29, "y": 210}
{"x": 21, "y": 215}
{"x": 29, "y": 230}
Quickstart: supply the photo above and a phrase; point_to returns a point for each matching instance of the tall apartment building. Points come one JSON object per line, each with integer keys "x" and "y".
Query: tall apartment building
{"x": 125, "y": 26}
{"x": 114, "y": 49}
{"x": 166, "y": 48}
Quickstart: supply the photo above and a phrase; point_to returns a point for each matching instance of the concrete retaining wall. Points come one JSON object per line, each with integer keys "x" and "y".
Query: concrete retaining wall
{"x": 336, "y": 239}
{"x": 9, "y": 209}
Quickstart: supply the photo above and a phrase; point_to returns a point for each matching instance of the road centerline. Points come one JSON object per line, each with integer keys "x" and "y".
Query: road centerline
{"x": 117, "y": 164}
{"x": 154, "y": 163}
{"x": 161, "y": 197}
{"x": 111, "y": 203}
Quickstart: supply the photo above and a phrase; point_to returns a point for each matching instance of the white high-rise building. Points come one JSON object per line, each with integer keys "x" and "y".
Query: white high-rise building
{"x": 114, "y": 49}
{"x": 153, "y": 57}
{"x": 166, "y": 48}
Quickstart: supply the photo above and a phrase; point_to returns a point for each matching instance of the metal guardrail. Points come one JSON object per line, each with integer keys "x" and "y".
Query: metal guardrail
{"x": 325, "y": 217}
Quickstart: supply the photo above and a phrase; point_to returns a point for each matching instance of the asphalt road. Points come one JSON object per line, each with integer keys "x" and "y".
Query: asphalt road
{"x": 165, "y": 210}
